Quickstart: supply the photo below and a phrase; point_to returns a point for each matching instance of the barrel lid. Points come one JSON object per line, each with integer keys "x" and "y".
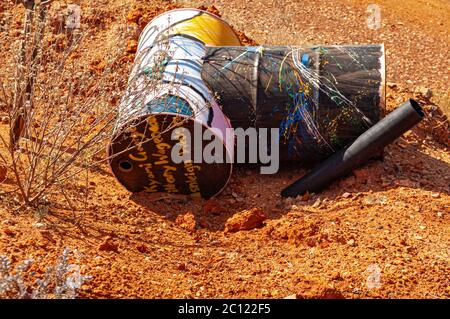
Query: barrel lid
{"x": 140, "y": 156}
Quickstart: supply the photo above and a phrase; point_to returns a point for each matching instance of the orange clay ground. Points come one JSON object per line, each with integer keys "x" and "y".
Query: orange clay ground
{"x": 394, "y": 214}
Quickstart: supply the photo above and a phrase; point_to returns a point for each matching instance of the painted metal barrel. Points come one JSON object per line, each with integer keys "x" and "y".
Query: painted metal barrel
{"x": 192, "y": 73}
{"x": 320, "y": 97}
{"x": 165, "y": 92}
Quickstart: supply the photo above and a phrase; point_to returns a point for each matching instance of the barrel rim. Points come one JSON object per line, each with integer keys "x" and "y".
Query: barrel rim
{"x": 383, "y": 81}
{"x": 194, "y": 9}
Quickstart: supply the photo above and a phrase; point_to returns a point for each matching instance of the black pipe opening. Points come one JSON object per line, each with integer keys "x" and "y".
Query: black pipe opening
{"x": 125, "y": 165}
{"x": 416, "y": 106}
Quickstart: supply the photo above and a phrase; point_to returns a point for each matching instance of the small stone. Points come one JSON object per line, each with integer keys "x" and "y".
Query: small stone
{"x": 436, "y": 195}
{"x": 182, "y": 267}
{"x": 351, "y": 242}
{"x": 108, "y": 245}
{"x": 336, "y": 276}
{"x": 142, "y": 248}
{"x": 135, "y": 15}
{"x": 317, "y": 203}
{"x": 440, "y": 214}
{"x": 346, "y": 195}
{"x": 9, "y": 232}
{"x": 294, "y": 296}
{"x": 265, "y": 292}
{"x": 39, "y": 225}
{"x": 374, "y": 199}
{"x": 245, "y": 220}
{"x": 132, "y": 46}
{"x": 187, "y": 221}
{"x": 311, "y": 241}
{"x": 115, "y": 219}
{"x": 424, "y": 91}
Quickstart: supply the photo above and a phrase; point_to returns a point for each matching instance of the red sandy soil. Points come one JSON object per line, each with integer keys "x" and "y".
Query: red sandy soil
{"x": 393, "y": 214}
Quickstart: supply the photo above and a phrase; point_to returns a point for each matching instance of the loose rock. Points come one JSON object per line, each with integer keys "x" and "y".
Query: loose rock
{"x": 142, "y": 248}
{"x": 108, "y": 245}
{"x": 424, "y": 91}
{"x": 245, "y": 220}
{"x": 186, "y": 221}
{"x": 132, "y": 46}
{"x": 9, "y": 232}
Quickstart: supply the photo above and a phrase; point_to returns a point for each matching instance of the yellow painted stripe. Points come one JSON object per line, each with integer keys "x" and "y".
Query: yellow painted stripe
{"x": 208, "y": 29}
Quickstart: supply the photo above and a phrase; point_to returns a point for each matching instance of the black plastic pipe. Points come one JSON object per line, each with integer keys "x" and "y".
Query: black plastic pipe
{"x": 367, "y": 145}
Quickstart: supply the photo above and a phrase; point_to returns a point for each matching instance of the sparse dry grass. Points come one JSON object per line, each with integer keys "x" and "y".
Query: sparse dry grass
{"x": 60, "y": 114}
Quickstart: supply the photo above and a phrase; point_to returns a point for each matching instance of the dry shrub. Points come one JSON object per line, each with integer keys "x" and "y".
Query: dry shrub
{"x": 60, "y": 113}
